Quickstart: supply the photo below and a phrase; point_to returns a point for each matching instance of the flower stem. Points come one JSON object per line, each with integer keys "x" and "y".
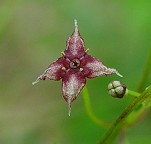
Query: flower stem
{"x": 133, "y": 93}
{"x": 120, "y": 121}
{"x": 89, "y": 110}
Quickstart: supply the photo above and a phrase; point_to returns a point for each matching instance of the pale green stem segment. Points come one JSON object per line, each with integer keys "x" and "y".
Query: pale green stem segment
{"x": 89, "y": 110}
{"x": 122, "y": 119}
{"x": 133, "y": 93}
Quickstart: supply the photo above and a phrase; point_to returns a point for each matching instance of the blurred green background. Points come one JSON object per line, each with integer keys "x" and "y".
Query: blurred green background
{"x": 32, "y": 35}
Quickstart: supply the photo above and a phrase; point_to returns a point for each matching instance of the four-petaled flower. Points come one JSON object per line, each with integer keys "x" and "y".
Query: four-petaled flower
{"x": 74, "y": 67}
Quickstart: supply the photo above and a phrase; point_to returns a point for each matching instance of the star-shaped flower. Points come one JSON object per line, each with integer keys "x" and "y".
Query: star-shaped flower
{"x": 74, "y": 67}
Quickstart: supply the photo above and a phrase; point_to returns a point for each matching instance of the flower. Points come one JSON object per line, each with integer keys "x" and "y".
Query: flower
{"x": 74, "y": 67}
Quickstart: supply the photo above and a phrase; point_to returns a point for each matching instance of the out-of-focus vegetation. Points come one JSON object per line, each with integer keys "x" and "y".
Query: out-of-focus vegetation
{"x": 32, "y": 35}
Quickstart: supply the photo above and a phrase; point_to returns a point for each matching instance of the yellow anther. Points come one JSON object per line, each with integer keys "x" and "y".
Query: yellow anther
{"x": 81, "y": 69}
{"x": 63, "y": 53}
{"x": 87, "y": 50}
{"x": 63, "y": 68}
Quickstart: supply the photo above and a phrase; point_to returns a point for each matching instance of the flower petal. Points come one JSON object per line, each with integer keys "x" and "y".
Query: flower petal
{"x": 72, "y": 85}
{"x": 96, "y": 67}
{"x": 75, "y": 45}
{"x": 54, "y": 71}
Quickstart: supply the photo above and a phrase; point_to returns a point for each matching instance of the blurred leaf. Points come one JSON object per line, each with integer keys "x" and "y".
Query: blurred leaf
{"x": 5, "y": 17}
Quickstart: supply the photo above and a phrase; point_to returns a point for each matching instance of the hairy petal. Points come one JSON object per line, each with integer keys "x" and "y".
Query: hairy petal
{"x": 75, "y": 45}
{"x": 72, "y": 85}
{"x": 96, "y": 68}
{"x": 53, "y": 72}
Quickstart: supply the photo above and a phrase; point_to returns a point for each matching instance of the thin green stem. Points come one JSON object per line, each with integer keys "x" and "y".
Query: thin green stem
{"x": 133, "y": 93}
{"x": 119, "y": 123}
{"x": 89, "y": 110}
{"x": 146, "y": 73}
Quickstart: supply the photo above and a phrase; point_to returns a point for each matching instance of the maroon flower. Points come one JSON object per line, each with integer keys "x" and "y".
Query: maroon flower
{"x": 74, "y": 67}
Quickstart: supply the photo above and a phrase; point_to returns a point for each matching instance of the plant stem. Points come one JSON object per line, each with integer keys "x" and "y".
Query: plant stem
{"x": 89, "y": 110}
{"x": 133, "y": 93}
{"x": 146, "y": 73}
{"x": 119, "y": 123}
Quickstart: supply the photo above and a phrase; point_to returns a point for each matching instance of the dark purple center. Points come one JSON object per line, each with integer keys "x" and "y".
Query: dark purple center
{"x": 75, "y": 63}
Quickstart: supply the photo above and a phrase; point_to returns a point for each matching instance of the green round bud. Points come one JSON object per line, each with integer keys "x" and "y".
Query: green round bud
{"x": 117, "y": 89}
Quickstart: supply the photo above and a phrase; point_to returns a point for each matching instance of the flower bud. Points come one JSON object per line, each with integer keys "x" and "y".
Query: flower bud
{"x": 117, "y": 89}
